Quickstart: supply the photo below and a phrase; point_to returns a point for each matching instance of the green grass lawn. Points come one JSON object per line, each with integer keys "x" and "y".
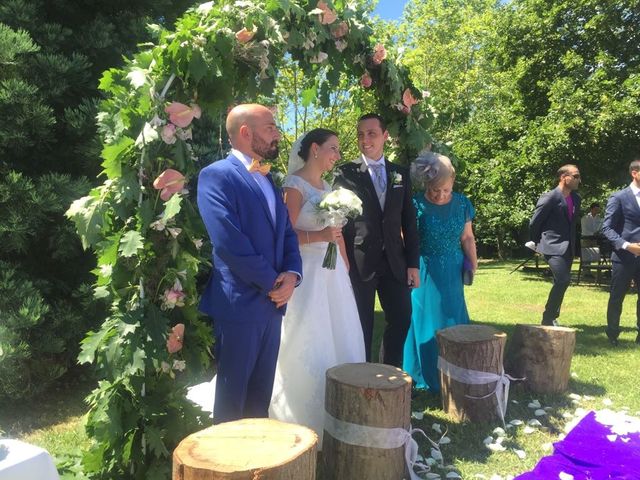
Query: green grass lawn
{"x": 607, "y": 376}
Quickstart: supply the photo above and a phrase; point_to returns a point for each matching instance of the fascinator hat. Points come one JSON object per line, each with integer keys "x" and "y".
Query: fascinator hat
{"x": 430, "y": 168}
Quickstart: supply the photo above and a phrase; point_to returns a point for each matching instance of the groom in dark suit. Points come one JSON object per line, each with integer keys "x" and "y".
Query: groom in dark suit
{"x": 382, "y": 243}
{"x": 256, "y": 264}
{"x": 553, "y": 229}
{"x": 622, "y": 228}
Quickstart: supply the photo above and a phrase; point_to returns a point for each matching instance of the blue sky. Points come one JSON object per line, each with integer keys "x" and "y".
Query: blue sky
{"x": 390, "y": 9}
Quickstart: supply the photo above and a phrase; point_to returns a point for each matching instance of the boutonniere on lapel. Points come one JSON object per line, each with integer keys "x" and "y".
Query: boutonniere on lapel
{"x": 395, "y": 179}
{"x": 363, "y": 165}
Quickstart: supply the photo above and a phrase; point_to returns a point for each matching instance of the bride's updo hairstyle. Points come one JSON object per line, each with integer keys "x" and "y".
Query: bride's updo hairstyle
{"x": 318, "y": 136}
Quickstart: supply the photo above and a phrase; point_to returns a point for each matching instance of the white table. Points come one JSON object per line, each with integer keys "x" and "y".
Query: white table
{"x": 21, "y": 461}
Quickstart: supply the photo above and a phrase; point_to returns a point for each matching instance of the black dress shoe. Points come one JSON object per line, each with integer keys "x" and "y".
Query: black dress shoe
{"x": 614, "y": 342}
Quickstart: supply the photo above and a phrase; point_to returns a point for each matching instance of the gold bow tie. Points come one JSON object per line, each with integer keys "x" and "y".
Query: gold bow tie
{"x": 256, "y": 166}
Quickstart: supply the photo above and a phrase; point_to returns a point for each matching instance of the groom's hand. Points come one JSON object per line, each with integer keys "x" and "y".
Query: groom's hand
{"x": 283, "y": 288}
{"x": 413, "y": 277}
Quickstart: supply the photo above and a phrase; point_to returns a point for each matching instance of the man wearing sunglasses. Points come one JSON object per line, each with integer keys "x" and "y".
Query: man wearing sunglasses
{"x": 553, "y": 229}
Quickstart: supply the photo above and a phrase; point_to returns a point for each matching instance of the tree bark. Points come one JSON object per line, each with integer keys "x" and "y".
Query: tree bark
{"x": 543, "y": 355}
{"x": 248, "y": 449}
{"x": 472, "y": 347}
{"x": 370, "y": 395}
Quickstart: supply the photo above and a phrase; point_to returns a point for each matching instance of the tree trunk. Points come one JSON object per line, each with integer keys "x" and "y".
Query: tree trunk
{"x": 248, "y": 449}
{"x": 471, "y": 347}
{"x": 543, "y": 355}
{"x": 370, "y": 395}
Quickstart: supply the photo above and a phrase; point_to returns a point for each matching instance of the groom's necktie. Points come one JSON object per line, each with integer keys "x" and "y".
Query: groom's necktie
{"x": 379, "y": 181}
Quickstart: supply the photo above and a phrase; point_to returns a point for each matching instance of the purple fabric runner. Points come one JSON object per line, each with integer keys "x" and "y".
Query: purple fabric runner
{"x": 602, "y": 446}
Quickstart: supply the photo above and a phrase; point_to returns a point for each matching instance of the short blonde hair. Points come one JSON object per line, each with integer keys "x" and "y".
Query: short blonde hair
{"x": 430, "y": 169}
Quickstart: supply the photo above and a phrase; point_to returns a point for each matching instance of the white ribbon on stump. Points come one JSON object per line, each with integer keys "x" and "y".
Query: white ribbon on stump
{"x": 475, "y": 377}
{"x": 376, "y": 437}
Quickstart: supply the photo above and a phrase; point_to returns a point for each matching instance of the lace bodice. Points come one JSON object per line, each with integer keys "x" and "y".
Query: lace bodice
{"x": 308, "y": 219}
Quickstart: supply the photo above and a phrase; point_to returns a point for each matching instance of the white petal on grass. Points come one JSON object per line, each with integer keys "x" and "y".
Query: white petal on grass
{"x": 496, "y": 447}
{"x": 587, "y": 397}
{"x": 527, "y": 430}
{"x": 453, "y": 475}
{"x": 539, "y": 413}
{"x": 534, "y": 423}
{"x": 499, "y": 431}
{"x": 515, "y": 401}
{"x": 574, "y": 375}
{"x": 567, "y": 415}
{"x": 547, "y": 409}
{"x": 487, "y": 440}
{"x": 574, "y": 396}
{"x": 520, "y": 453}
{"x": 436, "y": 427}
{"x": 417, "y": 415}
{"x": 534, "y": 404}
{"x": 496, "y": 477}
{"x": 565, "y": 476}
{"x": 444, "y": 441}
{"x": 547, "y": 447}
{"x": 575, "y": 402}
{"x": 432, "y": 476}
{"x": 607, "y": 402}
{"x": 436, "y": 455}
{"x": 516, "y": 422}
{"x": 612, "y": 438}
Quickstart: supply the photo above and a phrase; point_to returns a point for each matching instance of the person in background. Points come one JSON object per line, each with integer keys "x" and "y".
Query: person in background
{"x": 553, "y": 229}
{"x": 621, "y": 226}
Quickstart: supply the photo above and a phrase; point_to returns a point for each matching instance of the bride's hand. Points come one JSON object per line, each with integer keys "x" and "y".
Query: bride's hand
{"x": 332, "y": 234}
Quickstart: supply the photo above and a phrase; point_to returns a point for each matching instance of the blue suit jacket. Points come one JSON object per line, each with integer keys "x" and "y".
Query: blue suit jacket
{"x": 622, "y": 223}
{"x": 550, "y": 226}
{"x": 249, "y": 250}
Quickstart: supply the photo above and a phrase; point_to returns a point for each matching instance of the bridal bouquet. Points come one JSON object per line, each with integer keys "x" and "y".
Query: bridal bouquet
{"x": 335, "y": 208}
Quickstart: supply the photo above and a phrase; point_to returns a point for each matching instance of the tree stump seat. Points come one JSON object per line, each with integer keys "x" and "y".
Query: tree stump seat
{"x": 543, "y": 355}
{"x": 365, "y": 395}
{"x": 247, "y": 449}
{"x": 476, "y": 348}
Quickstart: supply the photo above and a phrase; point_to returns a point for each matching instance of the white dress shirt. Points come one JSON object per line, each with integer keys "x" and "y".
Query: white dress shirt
{"x": 262, "y": 181}
{"x": 636, "y": 193}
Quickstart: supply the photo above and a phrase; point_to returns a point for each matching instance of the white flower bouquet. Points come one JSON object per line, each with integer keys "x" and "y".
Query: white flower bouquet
{"x": 335, "y": 208}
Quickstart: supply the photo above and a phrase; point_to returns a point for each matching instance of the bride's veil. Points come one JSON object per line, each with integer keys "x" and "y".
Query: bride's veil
{"x": 295, "y": 160}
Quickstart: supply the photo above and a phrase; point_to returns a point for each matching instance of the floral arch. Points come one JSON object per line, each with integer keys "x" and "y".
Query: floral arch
{"x": 143, "y": 224}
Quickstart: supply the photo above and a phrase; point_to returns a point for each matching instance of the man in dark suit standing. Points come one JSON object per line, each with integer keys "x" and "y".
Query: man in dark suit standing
{"x": 382, "y": 243}
{"x": 553, "y": 229}
{"x": 622, "y": 228}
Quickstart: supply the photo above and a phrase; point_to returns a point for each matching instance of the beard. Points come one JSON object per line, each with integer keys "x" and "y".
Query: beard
{"x": 268, "y": 151}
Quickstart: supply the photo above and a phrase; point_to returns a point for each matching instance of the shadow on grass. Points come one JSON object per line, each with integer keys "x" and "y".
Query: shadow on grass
{"x": 62, "y": 402}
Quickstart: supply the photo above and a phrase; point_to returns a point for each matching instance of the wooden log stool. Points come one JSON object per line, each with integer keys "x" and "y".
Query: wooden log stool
{"x": 470, "y": 368}
{"x": 368, "y": 407}
{"x": 542, "y": 354}
{"x": 248, "y": 449}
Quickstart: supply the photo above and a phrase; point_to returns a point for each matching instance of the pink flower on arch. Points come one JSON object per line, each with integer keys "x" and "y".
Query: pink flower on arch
{"x": 379, "y": 54}
{"x": 168, "y": 133}
{"x": 176, "y": 338}
{"x": 182, "y": 115}
{"x": 340, "y": 30}
{"x": 169, "y": 182}
{"x": 408, "y": 101}
{"x": 244, "y": 35}
{"x": 328, "y": 15}
{"x": 366, "y": 81}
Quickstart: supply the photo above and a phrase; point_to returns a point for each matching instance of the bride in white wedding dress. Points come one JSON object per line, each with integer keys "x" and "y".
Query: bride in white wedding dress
{"x": 321, "y": 328}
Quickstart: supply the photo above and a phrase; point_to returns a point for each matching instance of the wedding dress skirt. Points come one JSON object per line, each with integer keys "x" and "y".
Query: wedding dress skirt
{"x": 320, "y": 330}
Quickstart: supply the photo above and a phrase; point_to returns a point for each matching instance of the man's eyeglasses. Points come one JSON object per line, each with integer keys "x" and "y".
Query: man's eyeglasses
{"x": 574, "y": 175}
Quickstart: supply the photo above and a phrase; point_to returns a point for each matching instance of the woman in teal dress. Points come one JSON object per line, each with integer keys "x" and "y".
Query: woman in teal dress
{"x": 446, "y": 236}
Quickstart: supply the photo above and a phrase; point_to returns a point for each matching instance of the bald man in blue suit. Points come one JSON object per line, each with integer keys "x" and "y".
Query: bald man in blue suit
{"x": 256, "y": 264}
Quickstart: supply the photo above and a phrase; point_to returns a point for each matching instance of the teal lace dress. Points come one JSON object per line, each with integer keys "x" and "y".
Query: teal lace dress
{"x": 439, "y": 301}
